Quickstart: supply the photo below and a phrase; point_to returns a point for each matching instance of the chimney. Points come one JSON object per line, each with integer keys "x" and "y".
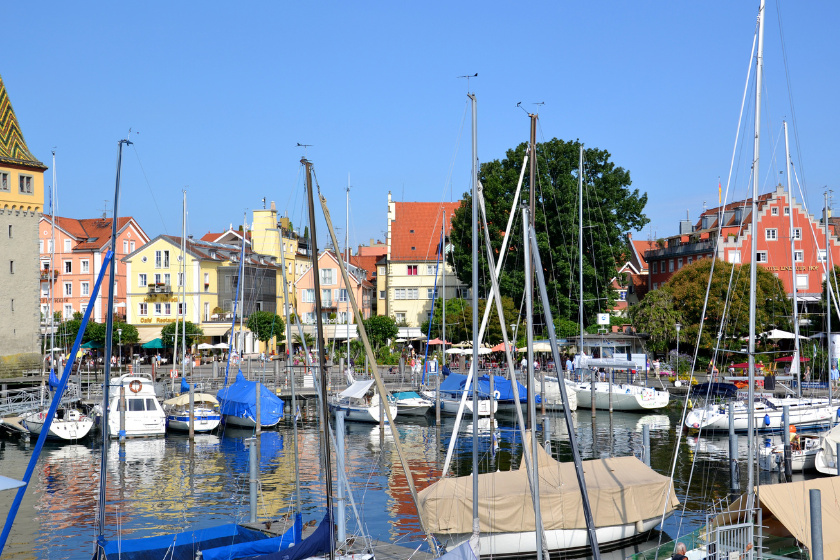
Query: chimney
{"x": 371, "y": 241}
{"x": 273, "y": 207}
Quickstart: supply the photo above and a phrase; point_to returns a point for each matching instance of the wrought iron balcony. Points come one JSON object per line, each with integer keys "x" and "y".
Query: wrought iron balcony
{"x": 160, "y": 288}
{"x": 683, "y": 249}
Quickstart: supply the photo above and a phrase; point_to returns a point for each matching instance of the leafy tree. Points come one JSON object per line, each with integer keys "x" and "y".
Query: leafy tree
{"x": 610, "y": 207}
{"x": 193, "y": 333}
{"x": 835, "y": 321}
{"x": 565, "y": 328}
{"x": 459, "y": 320}
{"x": 307, "y": 337}
{"x": 379, "y": 329}
{"x": 78, "y": 316}
{"x": 655, "y": 316}
{"x": 96, "y": 333}
{"x": 266, "y": 325}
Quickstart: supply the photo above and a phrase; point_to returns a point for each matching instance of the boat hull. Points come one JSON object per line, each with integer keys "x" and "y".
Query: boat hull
{"x": 717, "y": 419}
{"x": 356, "y": 413}
{"x": 449, "y": 407}
{"x": 246, "y": 422}
{"x": 202, "y": 423}
{"x": 66, "y": 430}
{"x": 413, "y": 409}
{"x": 624, "y": 398}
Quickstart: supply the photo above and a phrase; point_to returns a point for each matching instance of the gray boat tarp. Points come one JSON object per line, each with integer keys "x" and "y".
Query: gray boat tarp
{"x": 621, "y": 490}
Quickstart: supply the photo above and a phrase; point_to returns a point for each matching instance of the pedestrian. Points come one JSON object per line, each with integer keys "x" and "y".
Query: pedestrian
{"x": 835, "y": 374}
{"x": 679, "y": 552}
{"x": 656, "y": 366}
{"x": 523, "y": 365}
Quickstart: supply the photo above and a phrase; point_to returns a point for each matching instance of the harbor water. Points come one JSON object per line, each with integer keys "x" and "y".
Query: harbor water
{"x": 167, "y": 485}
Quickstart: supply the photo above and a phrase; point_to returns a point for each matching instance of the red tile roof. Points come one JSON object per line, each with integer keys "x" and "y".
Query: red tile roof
{"x": 97, "y": 230}
{"x": 367, "y": 263}
{"x": 415, "y": 231}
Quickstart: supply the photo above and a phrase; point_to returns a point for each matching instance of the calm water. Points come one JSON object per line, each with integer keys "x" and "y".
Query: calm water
{"x": 165, "y": 485}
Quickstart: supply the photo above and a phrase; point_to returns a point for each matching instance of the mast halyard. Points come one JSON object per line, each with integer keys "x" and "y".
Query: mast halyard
{"x": 795, "y": 367}
{"x": 580, "y": 259}
{"x": 828, "y": 295}
{"x": 475, "y": 339}
{"x": 182, "y": 280}
{"x": 532, "y": 204}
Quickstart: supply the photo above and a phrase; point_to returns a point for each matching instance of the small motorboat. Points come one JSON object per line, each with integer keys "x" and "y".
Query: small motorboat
{"x": 803, "y": 454}
{"x": 143, "y": 414}
{"x": 359, "y": 405}
{"x": 205, "y": 411}
{"x": 68, "y": 424}
{"x": 410, "y": 403}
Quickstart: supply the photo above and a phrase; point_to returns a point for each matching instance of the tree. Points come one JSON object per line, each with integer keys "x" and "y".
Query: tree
{"x": 194, "y": 333}
{"x": 310, "y": 340}
{"x": 610, "y": 207}
{"x": 96, "y": 333}
{"x": 656, "y": 317}
{"x": 459, "y": 320}
{"x": 379, "y": 329}
{"x": 266, "y": 325}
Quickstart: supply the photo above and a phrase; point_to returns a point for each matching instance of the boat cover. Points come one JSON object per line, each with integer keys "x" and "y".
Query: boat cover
{"x": 240, "y": 400}
{"x": 621, "y": 490}
{"x": 184, "y": 400}
{"x": 715, "y": 390}
{"x": 829, "y": 447}
{"x": 504, "y": 387}
{"x": 454, "y": 383}
{"x": 407, "y": 395}
{"x": 180, "y": 546}
{"x": 319, "y": 542}
{"x": 357, "y": 390}
{"x": 291, "y": 537}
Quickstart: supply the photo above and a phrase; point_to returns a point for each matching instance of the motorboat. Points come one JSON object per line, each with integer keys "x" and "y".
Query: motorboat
{"x": 205, "y": 412}
{"x": 628, "y": 500}
{"x": 767, "y": 416}
{"x": 803, "y": 454}
{"x": 624, "y": 397}
{"x": 410, "y": 403}
{"x": 238, "y": 404}
{"x": 68, "y": 424}
{"x": 553, "y": 396}
{"x": 826, "y": 460}
{"x": 359, "y": 405}
{"x": 144, "y": 416}
{"x": 449, "y": 404}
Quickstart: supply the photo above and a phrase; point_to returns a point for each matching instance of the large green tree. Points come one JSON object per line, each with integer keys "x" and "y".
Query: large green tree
{"x": 266, "y": 325}
{"x": 610, "y": 209}
{"x": 656, "y": 317}
{"x": 379, "y": 329}
{"x": 193, "y": 333}
{"x": 459, "y": 320}
{"x": 96, "y": 333}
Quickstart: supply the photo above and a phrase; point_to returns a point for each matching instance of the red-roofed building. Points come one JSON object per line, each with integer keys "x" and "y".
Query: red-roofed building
{"x": 80, "y": 246}
{"x": 414, "y": 251}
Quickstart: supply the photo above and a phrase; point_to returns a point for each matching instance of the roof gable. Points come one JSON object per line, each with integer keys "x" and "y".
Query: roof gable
{"x": 13, "y": 147}
{"x": 415, "y": 230}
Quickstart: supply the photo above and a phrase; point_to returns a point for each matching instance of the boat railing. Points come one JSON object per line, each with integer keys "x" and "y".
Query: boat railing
{"x": 16, "y": 402}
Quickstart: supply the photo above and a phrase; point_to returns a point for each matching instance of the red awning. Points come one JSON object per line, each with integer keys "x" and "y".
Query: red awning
{"x": 790, "y": 359}
{"x": 437, "y": 341}
{"x": 745, "y": 365}
{"x": 500, "y": 347}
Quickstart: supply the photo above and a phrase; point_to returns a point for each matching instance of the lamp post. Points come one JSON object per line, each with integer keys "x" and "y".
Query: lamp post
{"x": 119, "y": 337}
{"x": 678, "y": 326}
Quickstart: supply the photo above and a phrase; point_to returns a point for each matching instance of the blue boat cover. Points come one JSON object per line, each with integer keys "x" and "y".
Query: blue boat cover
{"x": 180, "y": 546}
{"x": 240, "y": 400}
{"x": 407, "y": 395}
{"x": 53, "y": 380}
{"x": 504, "y": 387}
{"x": 319, "y": 542}
{"x": 454, "y": 383}
{"x": 185, "y": 387}
{"x": 290, "y": 538}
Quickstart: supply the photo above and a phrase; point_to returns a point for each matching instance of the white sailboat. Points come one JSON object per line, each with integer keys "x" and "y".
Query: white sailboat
{"x": 803, "y": 454}
{"x": 826, "y": 460}
{"x": 767, "y": 414}
{"x": 358, "y": 406}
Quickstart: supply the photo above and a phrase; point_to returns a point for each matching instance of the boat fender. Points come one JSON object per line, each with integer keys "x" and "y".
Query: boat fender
{"x": 135, "y": 386}
{"x": 497, "y": 395}
{"x": 766, "y": 419}
{"x": 690, "y": 404}
{"x": 640, "y": 525}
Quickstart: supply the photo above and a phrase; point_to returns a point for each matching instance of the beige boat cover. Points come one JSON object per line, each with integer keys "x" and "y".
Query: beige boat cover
{"x": 621, "y": 490}
{"x": 184, "y": 399}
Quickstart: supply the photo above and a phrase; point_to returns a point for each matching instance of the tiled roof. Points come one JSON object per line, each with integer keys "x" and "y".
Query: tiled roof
{"x": 211, "y": 251}
{"x": 415, "y": 231}
{"x": 367, "y": 263}
{"x": 92, "y": 234}
{"x": 13, "y": 147}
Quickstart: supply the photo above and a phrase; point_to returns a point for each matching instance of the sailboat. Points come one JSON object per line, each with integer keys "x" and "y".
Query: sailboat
{"x": 360, "y": 404}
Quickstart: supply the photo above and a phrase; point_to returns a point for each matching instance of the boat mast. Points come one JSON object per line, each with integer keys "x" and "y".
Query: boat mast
{"x": 759, "y": 63}
{"x": 183, "y": 280}
{"x": 109, "y": 336}
{"x": 242, "y": 287}
{"x": 795, "y": 367}
{"x": 532, "y": 197}
{"x": 347, "y": 260}
{"x": 475, "y": 340}
{"x": 52, "y": 270}
{"x": 580, "y": 264}
{"x": 443, "y": 291}
{"x": 322, "y": 366}
{"x": 828, "y": 271}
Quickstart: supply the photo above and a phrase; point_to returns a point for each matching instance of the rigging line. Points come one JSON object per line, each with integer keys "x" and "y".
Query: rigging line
{"x": 294, "y": 191}
{"x": 448, "y": 181}
{"x": 136, "y": 153}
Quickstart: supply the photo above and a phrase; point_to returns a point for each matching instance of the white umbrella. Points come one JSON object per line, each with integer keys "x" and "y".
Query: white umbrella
{"x": 542, "y": 347}
{"x": 482, "y": 351}
{"x": 205, "y": 346}
{"x": 221, "y": 346}
{"x": 454, "y": 351}
{"x": 777, "y": 334}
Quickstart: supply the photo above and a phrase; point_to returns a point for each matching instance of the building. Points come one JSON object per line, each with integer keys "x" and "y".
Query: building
{"x": 335, "y": 304}
{"x": 21, "y": 204}
{"x": 373, "y": 259}
{"x": 414, "y": 251}
{"x": 155, "y": 286}
{"x": 772, "y": 224}
{"x": 72, "y": 268}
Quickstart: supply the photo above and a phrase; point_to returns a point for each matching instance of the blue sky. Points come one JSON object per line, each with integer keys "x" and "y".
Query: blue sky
{"x": 221, "y": 93}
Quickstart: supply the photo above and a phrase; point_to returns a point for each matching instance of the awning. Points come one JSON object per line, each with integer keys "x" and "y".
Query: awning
{"x": 216, "y": 330}
{"x": 410, "y": 332}
{"x": 148, "y": 334}
{"x": 609, "y": 363}
{"x": 357, "y": 390}
{"x": 184, "y": 399}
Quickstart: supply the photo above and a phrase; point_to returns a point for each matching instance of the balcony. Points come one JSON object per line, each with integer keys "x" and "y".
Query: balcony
{"x": 681, "y": 250}
{"x": 49, "y": 274}
{"x": 160, "y": 289}
{"x": 329, "y": 303}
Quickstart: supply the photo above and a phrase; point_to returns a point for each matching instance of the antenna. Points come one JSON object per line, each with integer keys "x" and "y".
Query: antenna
{"x": 304, "y": 146}
{"x": 468, "y": 79}
{"x": 263, "y": 203}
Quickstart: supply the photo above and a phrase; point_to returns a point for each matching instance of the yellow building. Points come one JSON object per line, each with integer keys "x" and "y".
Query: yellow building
{"x": 21, "y": 206}
{"x": 268, "y": 235}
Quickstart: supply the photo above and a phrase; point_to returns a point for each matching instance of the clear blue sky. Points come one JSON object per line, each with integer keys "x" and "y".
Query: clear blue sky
{"x": 222, "y": 92}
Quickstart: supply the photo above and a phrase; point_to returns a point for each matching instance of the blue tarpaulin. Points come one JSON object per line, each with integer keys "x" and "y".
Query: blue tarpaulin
{"x": 240, "y": 400}
{"x": 290, "y": 538}
{"x": 53, "y": 380}
{"x": 504, "y": 387}
{"x": 180, "y": 546}
{"x": 319, "y": 542}
{"x": 185, "y": 387}
{"x": 454, "y": 383}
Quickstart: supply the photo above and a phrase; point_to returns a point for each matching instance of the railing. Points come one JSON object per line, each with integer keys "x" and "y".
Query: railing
{"x": 21, "y": 401}
{"x": 685, "y": 249}
{"x": 47, "y": 274}
{"x": 160, "y": 289}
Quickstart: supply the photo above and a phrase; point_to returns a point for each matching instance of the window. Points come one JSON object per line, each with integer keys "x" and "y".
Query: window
{"x": 45, "y": 289}
{"x": 798, "y": 256}
{"x": 761, "y": 257}
{"x": 463, "y": 293}
{"x": 68, "y": 312}
{"x": 431, "y": 269}
{"x": 206, "y": 281}
{"x": 308, "y": 296}
{"x": 688, "y": 260}
{"x": 50, "y": 246}
{"x": 25, "y": 184}
{"x": 166, "y": 279}
{"x": 382, "y": 294}
{"x": 655, "y": 285}
{"x": 132, "y": 246}
{"x": 309, "y": 317}
{"x": 787, "y": 211}
{"x": 411, "y": 270}
{"x": 158, "y": 308}
{"x": 430, "y": 293}
{"x": 125, "y": 246}
{"x": 167, "y": 309}
{"x": 399, "y": 317}
{"x": 68, "y": 267}
{"x": 10, "y": 231}
{"x": 328, "y": 276}
{"x": 734, "y": 257}
{"x": 4, "y": 181}
{"x": 671, "y": 265}
{"x": 68, "y": 288}
{"x": 40, "y": 245}
{"x": 797, "y": 233}
{"x": 136, "y": 405}
{"x": 821, "y": 255}
{"x": 180, "y": 279}
{"x": 399, "y": 293}
{"x": 182, "y": 308}
{"x": 774, "y": 211}
{"x": 83, "y": 308}
{"x": 85, "y": 266}
{"x": 157, "y": 278}
{"x": 206, "y": 311}
{"x": 67, "y": 247}
{"x": 771, "y": 234}
{"x": 158, "y": 259}
{"x": 85, "y": 288}
{"x": 143, "y": 309}
{"x": 801, "y": 281}
{"x": 622, "y": 295}
{"x": 655, "y": 269}
{"x": 679, "y": 263}
{"x": 382, "y": 271}
{"x": 326, "y": 298}
{"x": 341, "y": 295}
{"x": 141, "y": 280}
{"x": 166, "y": 259}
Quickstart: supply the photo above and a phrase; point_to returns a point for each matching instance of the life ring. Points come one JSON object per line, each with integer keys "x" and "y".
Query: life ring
{"x": 497, "y": 395}
{"x": 135, "y": 386}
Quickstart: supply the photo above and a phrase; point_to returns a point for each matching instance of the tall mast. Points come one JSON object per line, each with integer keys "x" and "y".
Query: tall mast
{"x": 475, "y": 340}
{"x": 52, "y": 269}
{"x": 580, "y": 254}
{"x": 794, "y": 366}
{"x": 183, "y": 288}
{"x": 242, "y": 286}
{"x": 443, "y": 287}
{"x": 828, "y": 271}
{"x": 347, "y": 260}
{"x": 532, "y": 207}
{"x": 109, "y": 339}
{"x": 322, "y": 365}
{"x": 759, "y": 64}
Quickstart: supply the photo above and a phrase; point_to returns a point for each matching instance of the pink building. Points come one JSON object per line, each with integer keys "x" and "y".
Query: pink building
{"x": 80, "y": 246}
{"x": 334, "y": 298}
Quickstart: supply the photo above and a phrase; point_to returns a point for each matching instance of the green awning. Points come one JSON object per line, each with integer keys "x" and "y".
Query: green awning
{"x": 155, "y": 344}
{"x": 92, "y": 344}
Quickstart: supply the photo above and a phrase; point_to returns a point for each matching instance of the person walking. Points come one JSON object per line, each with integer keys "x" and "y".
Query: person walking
{"x": 835, "y": 375}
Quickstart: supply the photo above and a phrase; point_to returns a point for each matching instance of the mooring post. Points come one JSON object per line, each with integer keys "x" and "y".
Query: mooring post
{"x": 122, "y": 414}
{"x": 786, "y": 439}
{"x": 254, "y": 474}
{"x": 492, "y": 401}
{"x": 437, "y": 402}
{"x": 816, "y": 525}
{"x": 646, "y": 443}
{"x": 592, "y": 391}
{"x": 192, "y": 410}
{"x": 258, "y": 427}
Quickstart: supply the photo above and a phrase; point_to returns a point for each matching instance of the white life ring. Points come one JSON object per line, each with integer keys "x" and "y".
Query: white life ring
{"x": 497, "y": 395}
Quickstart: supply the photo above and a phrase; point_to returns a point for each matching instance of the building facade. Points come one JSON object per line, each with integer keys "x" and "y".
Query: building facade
{"x": 415, "y": 263}
{"x": 21, "y": 205}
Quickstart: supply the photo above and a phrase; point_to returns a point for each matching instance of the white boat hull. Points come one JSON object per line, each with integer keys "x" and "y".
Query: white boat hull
{"x": 765, "y": 418}
{"x": 627, "y": 398}
{"x": 360, "y": 413}
{"x": 772, "y": 458}
{"x": 449, "y": 407}
{"x": 413, "y": 409}
{"x": 67, "y": 430}
{"x": 204, "y": 421}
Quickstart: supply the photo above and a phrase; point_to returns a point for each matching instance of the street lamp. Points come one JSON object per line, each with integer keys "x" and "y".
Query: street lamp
{"x": 119, "y": 335}
{"x": 678, "y": 326}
